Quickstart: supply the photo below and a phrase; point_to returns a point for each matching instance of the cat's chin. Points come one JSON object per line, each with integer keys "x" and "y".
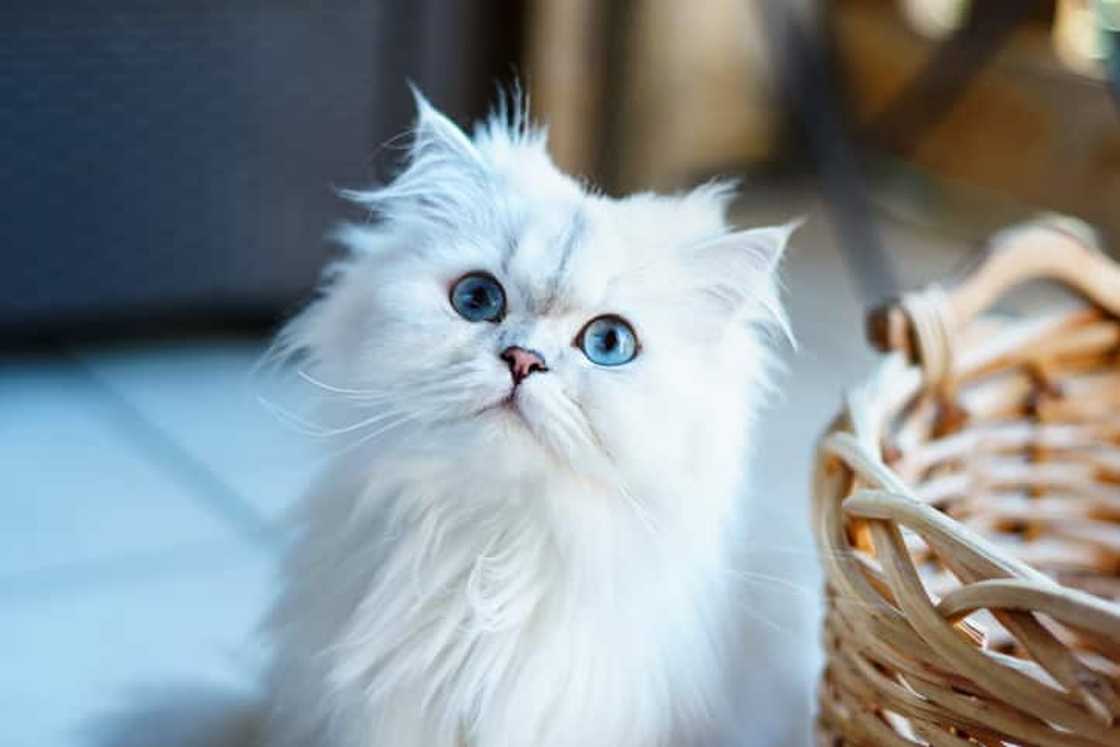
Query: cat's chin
{"x": 508, "y": 415}
{"x": 512, "y": 413}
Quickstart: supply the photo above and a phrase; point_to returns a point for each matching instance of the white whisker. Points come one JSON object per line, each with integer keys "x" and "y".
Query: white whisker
{"x": 292, "y": 419}
{"x": 404, "y": 419}
{"x": 360, "y": 393}
{"x": 640, "y": 511}
{"x": 811, "y": 553}
{"x": 778, "y": 581}
{"x": 373, "y": 420}
{"x": 758, "y": 616}
{"x": 808, "y": 593}
{"x": 573, "y": 421}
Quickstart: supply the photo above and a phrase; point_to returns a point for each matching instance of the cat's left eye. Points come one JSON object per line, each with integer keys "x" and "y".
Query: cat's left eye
{"x": 479, "y": 297}
{"x": 608, "y": 341}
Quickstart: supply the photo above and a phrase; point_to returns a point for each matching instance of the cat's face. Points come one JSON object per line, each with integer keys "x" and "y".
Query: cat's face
{"x": 499, "y": 310}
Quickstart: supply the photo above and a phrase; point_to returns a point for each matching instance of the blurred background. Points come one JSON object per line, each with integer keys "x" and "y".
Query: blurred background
{"x": 169, "y": 173}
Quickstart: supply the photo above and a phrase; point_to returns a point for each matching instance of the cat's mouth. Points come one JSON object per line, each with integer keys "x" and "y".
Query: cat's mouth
{"x": 506, "y": 404}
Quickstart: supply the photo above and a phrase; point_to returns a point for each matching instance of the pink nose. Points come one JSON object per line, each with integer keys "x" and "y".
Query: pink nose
{"x": 522, "y": 362}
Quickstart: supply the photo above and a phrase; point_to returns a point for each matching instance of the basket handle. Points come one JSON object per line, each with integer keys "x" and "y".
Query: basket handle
{"x": 1055, "y": 248}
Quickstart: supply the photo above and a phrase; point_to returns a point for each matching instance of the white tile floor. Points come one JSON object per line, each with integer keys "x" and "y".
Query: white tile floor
{"x": 136, "y": 529}
{"x": 141, "y": 486}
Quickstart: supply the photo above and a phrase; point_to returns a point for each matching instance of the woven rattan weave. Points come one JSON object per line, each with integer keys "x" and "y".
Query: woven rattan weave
{"x": 967, "y": 514}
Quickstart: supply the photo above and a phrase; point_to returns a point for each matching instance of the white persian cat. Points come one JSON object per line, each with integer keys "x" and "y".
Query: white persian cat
{"x": 531, "y": 539}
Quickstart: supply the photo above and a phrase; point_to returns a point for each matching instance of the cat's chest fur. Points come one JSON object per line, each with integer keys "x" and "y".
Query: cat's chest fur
{"x": 522, "y": 610}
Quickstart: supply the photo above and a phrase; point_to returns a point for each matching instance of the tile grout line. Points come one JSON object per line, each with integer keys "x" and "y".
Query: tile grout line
{"x": 203, "y": 483}
{"x": 118, "y": 569}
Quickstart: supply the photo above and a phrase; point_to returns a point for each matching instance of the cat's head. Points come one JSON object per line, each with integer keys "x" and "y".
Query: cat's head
{"x": 499, "y": 309}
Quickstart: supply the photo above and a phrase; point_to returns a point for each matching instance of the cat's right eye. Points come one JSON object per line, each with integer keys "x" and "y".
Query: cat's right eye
{"x": 479, "y": 297}
{"x": 608, "y": 340}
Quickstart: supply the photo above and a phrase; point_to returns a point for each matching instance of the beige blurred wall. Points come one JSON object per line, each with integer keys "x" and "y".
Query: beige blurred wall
{"x": 1025, "y": 129}
{"x": 680, "y": 91}
{"x": 565, "y": 69}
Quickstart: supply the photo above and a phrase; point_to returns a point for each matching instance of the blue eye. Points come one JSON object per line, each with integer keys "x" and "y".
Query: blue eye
{"x": 608, "y": 341}
{"x": 478, "y": 297}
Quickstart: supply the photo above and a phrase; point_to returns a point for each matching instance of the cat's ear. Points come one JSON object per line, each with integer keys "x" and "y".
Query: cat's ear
{"x": 752, "y": 253}
{"x": 743, "y": 258}
{"x": 437, "y": 136}
{"x": 444, "y": 181}
{"x": 737, "y": 271}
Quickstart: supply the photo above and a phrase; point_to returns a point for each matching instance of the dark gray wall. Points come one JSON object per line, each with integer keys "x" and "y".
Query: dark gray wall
{"x": 168, "y": 159}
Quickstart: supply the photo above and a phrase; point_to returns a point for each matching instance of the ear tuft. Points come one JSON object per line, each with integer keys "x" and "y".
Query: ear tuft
{"x": 757, "y": 251}
{"x": 436, "y": 134}
{"x": 445, "y": 181}
{"x": 777, "y": 239}
{"x": 738, "y": 270}
{"x": 720, "y": 193}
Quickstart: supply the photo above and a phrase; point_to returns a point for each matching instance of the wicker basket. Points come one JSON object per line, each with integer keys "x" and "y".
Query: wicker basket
{"x": 967, "y": 514}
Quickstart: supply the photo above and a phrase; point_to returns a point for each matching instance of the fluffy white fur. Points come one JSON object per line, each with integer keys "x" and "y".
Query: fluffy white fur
{"x": 554, "y": 574}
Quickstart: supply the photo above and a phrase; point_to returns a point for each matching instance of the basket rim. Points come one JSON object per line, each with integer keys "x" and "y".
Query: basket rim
{"x": 871, "y": 393}
{"x": 1054, "y": 685}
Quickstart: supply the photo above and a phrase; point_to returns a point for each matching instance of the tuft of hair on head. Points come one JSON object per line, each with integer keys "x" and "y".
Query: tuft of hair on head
{"x": 444, "y": 172}
{"x": 508, "y": 130}
{"x": 448, "y": 177}
{"x": 720, "y": 191}
{"x": 509, "y": 118}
